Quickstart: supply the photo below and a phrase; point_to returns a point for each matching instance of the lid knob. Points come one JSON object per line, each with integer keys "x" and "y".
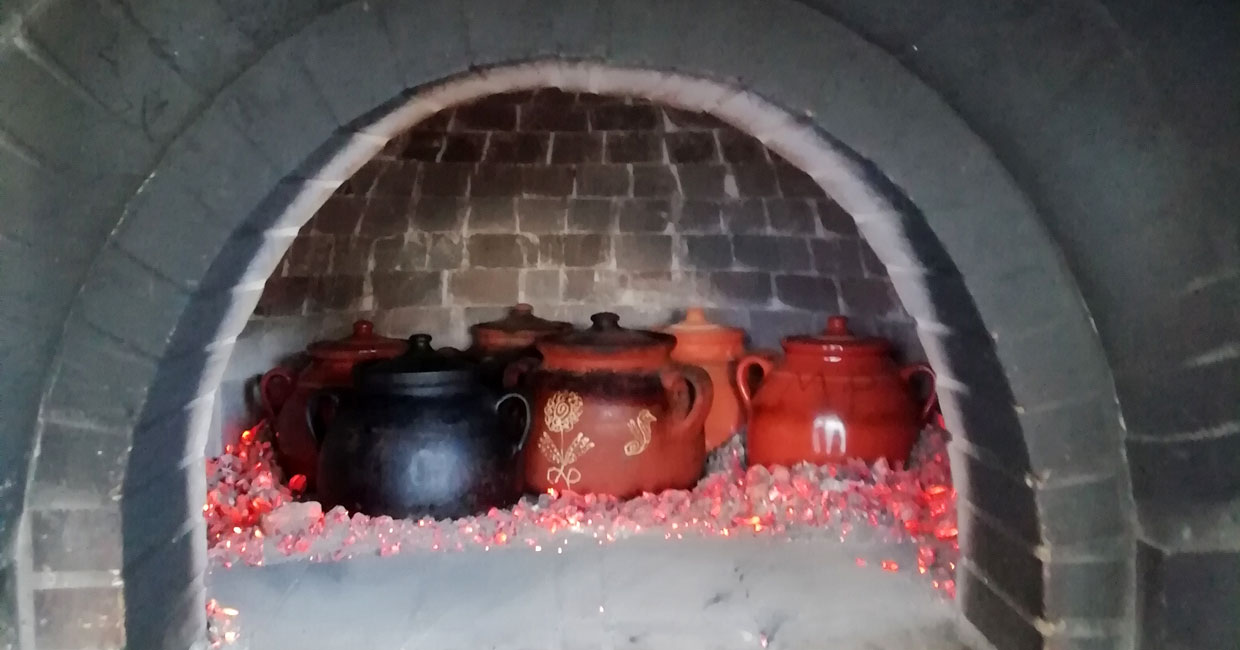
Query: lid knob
{"x": 420, "y": 342}
{"x": 605, "y": 320}
{"x": 521, "y": 309}
{"x": 695, "y": 316}
{"x": 363, "y": 329}
{"x": 837, "y": 326}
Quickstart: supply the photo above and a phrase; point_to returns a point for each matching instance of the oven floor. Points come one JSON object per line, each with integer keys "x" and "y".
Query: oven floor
{"x": 639, "y": 593}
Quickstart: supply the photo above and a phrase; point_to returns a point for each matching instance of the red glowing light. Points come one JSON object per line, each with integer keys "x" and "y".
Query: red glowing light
{"x": 890, "y": 565}
{"x": 297, "y": 483}
{"x": 861, "y": 562}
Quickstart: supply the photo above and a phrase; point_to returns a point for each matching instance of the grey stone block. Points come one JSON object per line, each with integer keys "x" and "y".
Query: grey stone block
{"x": 1006, "y": 499}
{"x": 259, "y": 104}
{"x": 76, "y": 392}
{"x": 1058, "y": 362}
{"x": 1085, "y": 510}
{"x": 338, "y": 44}
{"x": 546, "y": 215}
{"x": 500, "y": 32}
{"x": 63, "y": 129}
{"x": 643, "y": 252}
{"x": 156, "y": 583}
{"x": 8, "y": 595}
{"x": 1170, "y": 402}
{"x": 114, "y": 60}
{"x": 271, "y": 21}
{"x": 403, "y": 289}
{"x": 764, "y": 252}
{"x": 209, "y": 47}
{"x": 172, "y": 232}
{"x": 707, "y": 251}
{"x": 1189, "y": 598}
{"x": 1185, "y": 470}
{"x": 216, "y": 163}
{"x": 76, "y": 540}
{"x": 590, "y": 215}
{"x": 484, "y": 286}
{"x": 423, "y": 60}
{"x": 1010, "y": 564}
{"x": 745, "y": 287}
{"x": 502, "y": 251}
{"x": 80, "y": 617}
{"x": 1096, "y": 588}
{"x": 641, "y": 215}
{"x": 1073, "y": 438}
{"x": 993, "y": 616}
{"x": 161, "y": 501}
{"x": 807, "y": 292}
{"x": 132, "y": 303}
{"x": 78, "y": 464}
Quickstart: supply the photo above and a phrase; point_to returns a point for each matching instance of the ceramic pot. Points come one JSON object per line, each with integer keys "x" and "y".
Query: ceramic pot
{"x": 613, "y": 414}
{"x": 715, "y": 349}
{"x": 497, "y": 344}
{"x": 834, "y": 397}
{"x": 285, "y": 392}
{"x": 420, "y": 435}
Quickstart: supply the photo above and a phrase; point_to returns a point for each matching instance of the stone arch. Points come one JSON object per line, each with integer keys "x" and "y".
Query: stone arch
{"x": 162, "y": 314}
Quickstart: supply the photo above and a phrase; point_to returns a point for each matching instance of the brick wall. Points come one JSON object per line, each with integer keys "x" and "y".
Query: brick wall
{"x": 575, "y": 204}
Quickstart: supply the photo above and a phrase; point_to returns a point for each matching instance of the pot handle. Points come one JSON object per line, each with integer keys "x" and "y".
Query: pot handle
{"x": 674, "y": 379}
{"x": 742, "y": 376}
{"x": 516, "y": 371}
{"x": 314, "y": 416}
{"x": 907, "y": 373}
{"x": 529, "y": 418}
{"x": 274, "y": 389}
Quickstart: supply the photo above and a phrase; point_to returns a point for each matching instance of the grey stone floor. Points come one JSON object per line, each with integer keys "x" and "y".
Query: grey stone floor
{"x": 638, "y": 594}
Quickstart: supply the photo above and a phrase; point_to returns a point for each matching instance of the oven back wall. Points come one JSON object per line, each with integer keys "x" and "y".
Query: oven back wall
{"x": 575, "y": 204}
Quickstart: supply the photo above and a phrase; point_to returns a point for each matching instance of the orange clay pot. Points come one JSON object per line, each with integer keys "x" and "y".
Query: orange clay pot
{"x": 834, "y": 397}
{"x": 613, "y": 414}
{"x": 715, "y": 349}
{"x": 286, "y": 392}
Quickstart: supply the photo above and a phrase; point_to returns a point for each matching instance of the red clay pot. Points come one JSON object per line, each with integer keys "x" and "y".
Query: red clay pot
{"x": 834, "y": 397}
{"x": 285, "y": 392}
{"x": 497, "y": 344}
{"x": 715, "y": 349}
{"x": 613, "y": 414}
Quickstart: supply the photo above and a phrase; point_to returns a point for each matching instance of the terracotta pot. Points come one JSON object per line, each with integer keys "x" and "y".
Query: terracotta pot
{"x": 497, "y": 344}
{"x": 285, "y": 392}
{"x": 613, "y": 414}
{"x": 834, "y": 397}
{"x": 420, "y": 435}
{"x": 715, "y": 349}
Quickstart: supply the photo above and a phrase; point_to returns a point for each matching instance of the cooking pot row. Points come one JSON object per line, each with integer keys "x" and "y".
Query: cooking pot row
{"x": 384, "y": 426}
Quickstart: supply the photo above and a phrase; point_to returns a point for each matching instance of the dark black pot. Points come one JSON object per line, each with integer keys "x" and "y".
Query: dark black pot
{"x": 420, "y": 435}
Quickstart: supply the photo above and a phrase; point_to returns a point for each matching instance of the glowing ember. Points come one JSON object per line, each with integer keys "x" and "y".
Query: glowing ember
{"x": 252, "y": 518}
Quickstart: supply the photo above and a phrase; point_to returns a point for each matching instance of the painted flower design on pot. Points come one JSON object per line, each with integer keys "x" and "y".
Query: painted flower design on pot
{"x": 560, "y": 415}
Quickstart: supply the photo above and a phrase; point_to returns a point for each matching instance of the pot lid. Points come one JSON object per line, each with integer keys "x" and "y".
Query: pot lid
{"x": 363, "y": 343}
{"x": 696, "y": 329}
{"x": 837, "y": 338}
{"x": 521, "y": 320}
{"x": 605, "y": 335}
{"x": 695, "y": 322}
{"x": 420, "y": 365}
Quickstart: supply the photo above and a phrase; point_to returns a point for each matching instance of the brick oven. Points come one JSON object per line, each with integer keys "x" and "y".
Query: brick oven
{"x": 1016, "y": 195}
{"x": 574, "y": 203}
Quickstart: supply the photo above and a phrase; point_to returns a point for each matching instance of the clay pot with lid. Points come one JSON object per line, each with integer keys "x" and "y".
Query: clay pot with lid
{"x": 497, "y": 344}
{"x": 715, "y": 349}
{"x": 834, "y": 397}
{"x": 284, "y": 391}
{"x": 420, "y": 435}
{"x": 613, "y": 414}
